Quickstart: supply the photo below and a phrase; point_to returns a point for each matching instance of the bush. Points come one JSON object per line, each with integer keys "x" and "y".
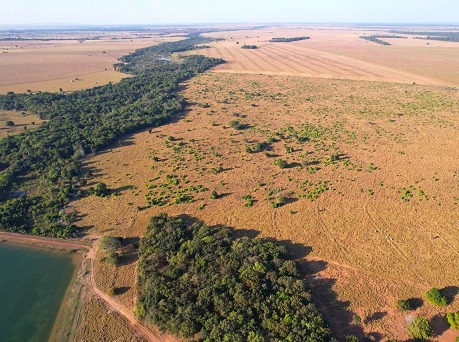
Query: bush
{"x": 281, "y": 163}
{"x": 9, "y": 123}
{"x": 435, "y": 297}
{"x": 404, "y": 305}
{"x": 110, "y": 246}
{"x": 453, "y": 319}
{"x": 420, "y": 329}
{"x": 100, "y": 190}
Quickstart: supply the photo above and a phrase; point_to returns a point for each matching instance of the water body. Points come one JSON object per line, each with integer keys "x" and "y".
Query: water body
{"x": 33, "y": 283}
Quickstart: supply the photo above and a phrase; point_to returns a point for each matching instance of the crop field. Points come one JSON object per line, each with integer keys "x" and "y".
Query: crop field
{"x": 359, "y": 177}
{"x": 69, "y": 64}
{"x": 22, "y": 121}
{"x": 338, "y": 52}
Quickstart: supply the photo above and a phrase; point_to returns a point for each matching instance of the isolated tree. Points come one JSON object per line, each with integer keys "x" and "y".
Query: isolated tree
{"x": 420, "y": 329}
{"x": 435, "y": 297}
{"x": 9, "y": 123}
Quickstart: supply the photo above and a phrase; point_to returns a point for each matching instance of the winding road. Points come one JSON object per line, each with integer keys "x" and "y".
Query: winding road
{"x": 112, "y": 303}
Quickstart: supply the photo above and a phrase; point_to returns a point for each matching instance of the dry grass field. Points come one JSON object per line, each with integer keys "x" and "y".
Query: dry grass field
{"x": 22, "y": 121}
{"x": 371, "y": 197}
{"x": 338, "y": 52}
{"x": 68, "y": 64}
{"x": 342, "y": 149}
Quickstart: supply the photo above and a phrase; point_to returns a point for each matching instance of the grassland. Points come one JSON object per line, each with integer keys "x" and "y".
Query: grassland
{"x": 373, "y": 190}
{"x": 22, "y": 121}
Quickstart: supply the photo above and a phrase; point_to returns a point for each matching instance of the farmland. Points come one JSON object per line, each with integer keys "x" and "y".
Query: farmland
{"x": 338, "y": 52}
{"x": 54, "y": 61}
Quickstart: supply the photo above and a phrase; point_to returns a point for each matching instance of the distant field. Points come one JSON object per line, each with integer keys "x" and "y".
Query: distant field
{"x": 338, "y": 53}
{"x": 373, "y": 192}
{"x": 21, "y": 120}
{"x": 67, "y": 64}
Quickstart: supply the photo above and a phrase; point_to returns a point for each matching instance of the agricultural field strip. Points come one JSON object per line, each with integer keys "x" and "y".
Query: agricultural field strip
{"x": 326, "y": 64}
{"x": 55, "y": 79}
{"x": 323, "y": 63}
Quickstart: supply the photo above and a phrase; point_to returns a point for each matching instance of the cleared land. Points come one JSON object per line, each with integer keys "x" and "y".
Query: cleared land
{"x": 22, "y": 121}
{"x": 338, "y": 52}
{"x": 70, "y": 64}
{"x": 381, "y": 213}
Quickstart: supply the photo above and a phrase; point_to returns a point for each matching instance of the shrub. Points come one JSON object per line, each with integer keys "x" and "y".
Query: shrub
{"x": 110, "y": 246}
{"x": 420, "y": 329}
{"x": 213, "y": 195}
{"x": 100, "y": 190}
{"x": 281, "y": 163}
{"x": 435, "y": 297}
{"x": 351, "y": 338}
{"x": 404, "y": 305}
{"x": 453, "y": 319}
{"x": 9, "y": 123}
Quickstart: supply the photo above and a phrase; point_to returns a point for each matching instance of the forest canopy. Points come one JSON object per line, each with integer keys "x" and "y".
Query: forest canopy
{"x": 202, "y": 282}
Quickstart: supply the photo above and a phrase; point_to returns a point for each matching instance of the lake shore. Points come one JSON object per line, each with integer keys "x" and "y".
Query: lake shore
{"x": 66, "y": 320}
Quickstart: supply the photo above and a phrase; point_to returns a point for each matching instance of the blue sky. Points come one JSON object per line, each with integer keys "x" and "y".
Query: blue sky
{"x": 119, "y": 12}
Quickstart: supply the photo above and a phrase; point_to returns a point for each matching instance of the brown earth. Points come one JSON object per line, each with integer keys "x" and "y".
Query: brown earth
{"x": 386, "y": 220}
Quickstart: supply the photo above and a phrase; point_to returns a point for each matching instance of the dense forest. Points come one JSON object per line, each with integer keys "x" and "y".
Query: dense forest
{"x": 288, "y": 40}
{"x": 202, "y": 282}
{"x": 40, "y": 170}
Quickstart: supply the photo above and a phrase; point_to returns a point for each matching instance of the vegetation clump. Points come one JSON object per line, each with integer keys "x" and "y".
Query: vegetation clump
{"x": 287, "y": 40}
{"x": 201, "y": 282}
{"x": 250, "y": 47}
{"x": 435, "y": 297}
{"x": 404, "y": 305}
{"x": 110, "y": 247}
{"x": 453, "y": 319}
{"x": 420, "y": 329}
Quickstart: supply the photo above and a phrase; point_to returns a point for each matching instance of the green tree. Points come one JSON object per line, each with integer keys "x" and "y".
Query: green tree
{"x": 420, "y": 329}
{"x": 453, "y": 319}
{"x": 435, "y": 297}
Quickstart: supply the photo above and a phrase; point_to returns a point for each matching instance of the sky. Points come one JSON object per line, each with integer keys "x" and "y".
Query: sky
{"x": 158, "y": 12}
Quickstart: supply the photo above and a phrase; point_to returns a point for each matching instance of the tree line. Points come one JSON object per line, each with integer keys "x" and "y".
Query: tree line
{"x": 288, "y": 40}
{"x": 41, "y": 169}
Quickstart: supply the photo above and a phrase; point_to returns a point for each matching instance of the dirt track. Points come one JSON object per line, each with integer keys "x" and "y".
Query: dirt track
{"x": 111, "y": 302}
